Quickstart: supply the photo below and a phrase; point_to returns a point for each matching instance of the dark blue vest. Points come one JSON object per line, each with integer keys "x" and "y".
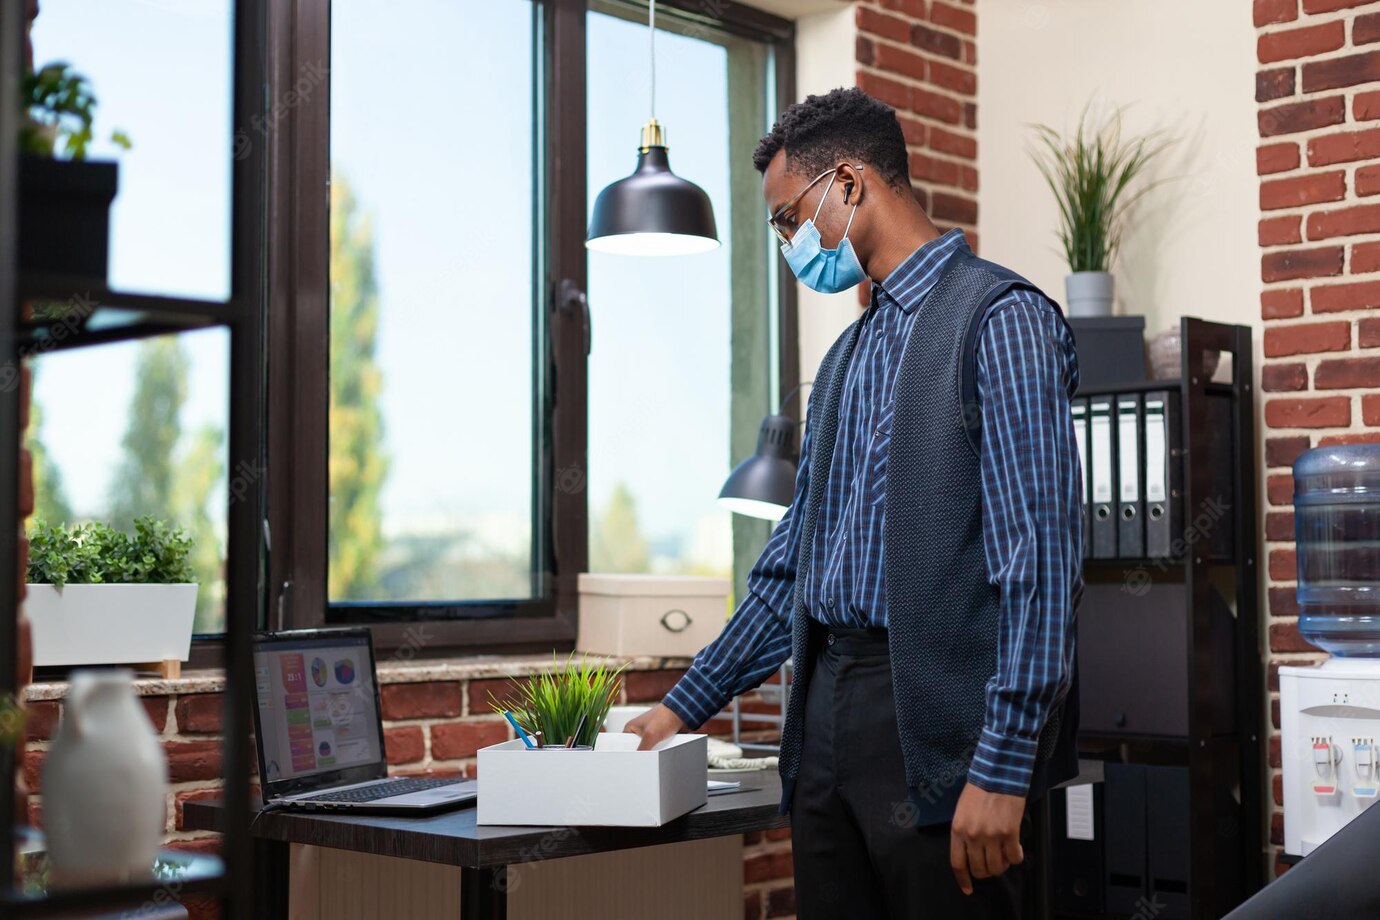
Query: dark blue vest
{"x": 942, "y": 610}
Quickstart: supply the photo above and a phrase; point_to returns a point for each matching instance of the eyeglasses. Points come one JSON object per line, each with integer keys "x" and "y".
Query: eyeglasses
{"x": 785, "y": 230}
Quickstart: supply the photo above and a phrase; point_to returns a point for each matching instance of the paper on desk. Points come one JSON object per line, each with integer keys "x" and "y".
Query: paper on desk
{"x": 1080, "y": 812}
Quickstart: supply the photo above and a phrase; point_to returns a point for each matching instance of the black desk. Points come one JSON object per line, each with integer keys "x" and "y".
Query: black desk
{"x": 484, "y": 853}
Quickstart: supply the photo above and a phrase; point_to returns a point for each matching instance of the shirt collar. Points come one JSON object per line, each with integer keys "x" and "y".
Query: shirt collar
{"x": 910, "y": 281}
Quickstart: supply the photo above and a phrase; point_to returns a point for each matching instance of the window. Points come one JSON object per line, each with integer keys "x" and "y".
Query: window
{"x": 451, "y": 454}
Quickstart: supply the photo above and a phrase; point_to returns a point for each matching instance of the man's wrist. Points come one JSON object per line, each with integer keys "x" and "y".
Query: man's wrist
{"x": 1003, "y": 763}
{"x": 695, "y": 699}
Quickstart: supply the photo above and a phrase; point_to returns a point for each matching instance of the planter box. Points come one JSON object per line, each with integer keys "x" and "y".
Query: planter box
{"x": 110, "y": 624}
{"x": 663, "y": 616}
{"x": 64, "y": 216}
{"x": 614, "y": 785}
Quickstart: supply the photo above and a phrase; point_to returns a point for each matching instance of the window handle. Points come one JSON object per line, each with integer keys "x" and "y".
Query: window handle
{"x": 573, "y": 300}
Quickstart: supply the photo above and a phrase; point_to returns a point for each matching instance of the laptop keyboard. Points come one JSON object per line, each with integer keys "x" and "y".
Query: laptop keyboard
{"x": 384, "y": 790}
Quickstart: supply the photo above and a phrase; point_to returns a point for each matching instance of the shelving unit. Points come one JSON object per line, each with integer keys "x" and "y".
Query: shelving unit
{"x": 89, "y": 313}
{"x": 1216, "y": 737}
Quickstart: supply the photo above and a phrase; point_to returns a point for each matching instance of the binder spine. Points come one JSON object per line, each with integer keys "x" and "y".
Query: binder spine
{"x": 1163, "y": 474}
{"x": 1130, "y": 472}
{"x": 1102, "y": 447}
{"x": 1079, "y": 409}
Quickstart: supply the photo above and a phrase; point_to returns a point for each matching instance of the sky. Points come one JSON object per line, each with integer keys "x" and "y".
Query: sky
{"x": 432, "y": 129}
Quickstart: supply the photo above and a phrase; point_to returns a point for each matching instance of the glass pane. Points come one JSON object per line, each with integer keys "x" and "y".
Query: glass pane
{"x": 169, "y": 90}
{"x": 432, "y": 300}
{"x": 139, "y": 429}
{"x": 659, "y": 450}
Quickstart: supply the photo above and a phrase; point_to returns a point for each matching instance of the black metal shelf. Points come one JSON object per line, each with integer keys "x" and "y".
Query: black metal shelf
{"x": 67, "y": 313}
{"x": 1147, "y": 386}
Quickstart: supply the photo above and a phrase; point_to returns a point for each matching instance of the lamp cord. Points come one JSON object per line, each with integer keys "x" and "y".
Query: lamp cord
{"x": 794, "y": 390}
{"x": 651, "y": 28}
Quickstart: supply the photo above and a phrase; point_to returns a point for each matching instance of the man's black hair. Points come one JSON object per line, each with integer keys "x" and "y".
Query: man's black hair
{"x": 842, "y": 125}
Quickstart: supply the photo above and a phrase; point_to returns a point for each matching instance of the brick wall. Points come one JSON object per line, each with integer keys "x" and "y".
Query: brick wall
{"x": 1318, "y": 92}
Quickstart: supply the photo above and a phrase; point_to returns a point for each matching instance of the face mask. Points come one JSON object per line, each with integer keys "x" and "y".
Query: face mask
{"x": 828, "y": 271}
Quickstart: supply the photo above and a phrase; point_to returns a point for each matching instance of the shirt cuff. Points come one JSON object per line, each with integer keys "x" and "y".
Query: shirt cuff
{"x": 695, "y": 699}
{"x": 1003, "y": 763}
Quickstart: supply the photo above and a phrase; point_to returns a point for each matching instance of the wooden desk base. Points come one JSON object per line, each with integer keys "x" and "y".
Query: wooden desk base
{"x": 695, "y": 880}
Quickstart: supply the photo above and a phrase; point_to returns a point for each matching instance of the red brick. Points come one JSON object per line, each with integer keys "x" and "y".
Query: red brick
{"x": 1278, "y": 231}
{"x": 1284, "y": 601}
{"x": 970, "y": 51}
{"x": 1367, "y": 180}
{"x": 1366, "y": 29}
{"x": 1301, "y": 42}
{"x": 1276, "y": 378}
{"x": 896, "y": 95}
{"x": 936, "y": 106}
{"x": 1284, "y": 566}
{"x": 458, "y": 740}
{"x": 1279, "y": 525}
{"x": 781, "y": 902}
{"x": 1301, "y": 190}
{"x": 1365, "y": 257}
{"x": 932, "y": 169}
{"x": 1366, "y": 106}
{"x": 420, "y": 701}
{"x": 31, "y": 768}
{"x": 752, "y": 905}
{"x": 954, "y": 207}
{"x": 157, "y": 709}
{"x": 404, "y": 744}
{"x": 913, "y": 130}
{"x": 1317, "y": 412}
{"x": 1293, "y": 117}
{"x": 1277, "y": 783}
{"x": 192, "y": 795}
{"x": 968, "y": 181}
{"x": 914, "y": 8}
{"x": 1276, "y": 819}
{"x": 960, "y": 145}
{"x": 649, "y": 686}
{"x": 189, "y": 760}
{"x": 1279, "y": 489}
{"x": 951, "y": 17}
{"x": 1370, "y": 409}
{"x": 1345, "y": 147}
{"x": 478, "y": 692}
{"x": 766, "y": 867}
{"x": 864, "y": 51}
{"x": 943, "y": 43}
{"x": 899, "y": 60}
{"x": 1359, "y": 437}
{"x": 1333, "y": 298}
{"x": 958, "y": 79}
{"x": 1347, "y": 374}
{"x": 199, "y": 713}
{"x": 42, "y": 719}
{"x": 1284, "y": 637}
{"x": 1288, "y": 264}
{"x": 1284, "y": 451}
{"x": 1281, "y": 304}
{"x": 1340, "y": 72}
{"x": 883, "y": 24}
{"x": 970, "y": 115}
{"x": 1268, "y": 12}
{"x": 1274, "y": 84}
{"x": 1368, "y": 333}
{"x": 1331, "y": 6}
{"x": 1273, "y": 158}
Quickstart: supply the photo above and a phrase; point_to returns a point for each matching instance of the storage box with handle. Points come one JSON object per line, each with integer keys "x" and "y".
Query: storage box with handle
{"x": 667, "y": 616}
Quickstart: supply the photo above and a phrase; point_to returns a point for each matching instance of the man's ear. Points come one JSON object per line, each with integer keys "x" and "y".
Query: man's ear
{"x": 851, "y": 178}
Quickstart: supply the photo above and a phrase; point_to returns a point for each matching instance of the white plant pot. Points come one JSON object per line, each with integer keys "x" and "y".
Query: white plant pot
{"x": 105, "y": 783}
{"x": 1089, "y": 293}
{"x": 110, "y": 624}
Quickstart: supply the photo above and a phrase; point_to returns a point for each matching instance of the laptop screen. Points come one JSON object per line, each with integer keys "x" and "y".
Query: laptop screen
{"x": 316, "y": 710}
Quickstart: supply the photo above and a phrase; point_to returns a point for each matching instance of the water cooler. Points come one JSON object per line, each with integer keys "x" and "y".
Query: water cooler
{"x": 1330, "y": 713}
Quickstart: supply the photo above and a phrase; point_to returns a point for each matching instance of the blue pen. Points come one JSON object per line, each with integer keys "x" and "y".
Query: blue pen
{"x": 526, "y": 738}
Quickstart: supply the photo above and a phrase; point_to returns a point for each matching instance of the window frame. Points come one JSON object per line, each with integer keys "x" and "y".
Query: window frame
{"x": 298, "y": 393}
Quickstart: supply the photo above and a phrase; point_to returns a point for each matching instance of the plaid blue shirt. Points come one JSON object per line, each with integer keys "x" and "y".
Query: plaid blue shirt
{"x": 1032, "y": 523}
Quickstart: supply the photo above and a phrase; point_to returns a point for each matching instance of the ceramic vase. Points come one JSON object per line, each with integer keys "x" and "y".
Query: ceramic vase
{"x": 1089, "y": 294}
{"x": 105, "y": 784}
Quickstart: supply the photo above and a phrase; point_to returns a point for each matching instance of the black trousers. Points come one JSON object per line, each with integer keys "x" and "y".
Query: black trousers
{"x": 858, "y": 852}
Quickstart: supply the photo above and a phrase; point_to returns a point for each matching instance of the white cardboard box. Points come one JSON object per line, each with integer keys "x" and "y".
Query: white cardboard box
{"x": 614, "y": 785}
{"x": 665, "y": 616}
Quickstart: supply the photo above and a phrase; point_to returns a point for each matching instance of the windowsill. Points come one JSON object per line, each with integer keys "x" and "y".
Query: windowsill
{"x": 393, "y": 671}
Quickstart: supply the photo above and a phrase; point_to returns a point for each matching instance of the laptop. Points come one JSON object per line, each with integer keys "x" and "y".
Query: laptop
{"x": 319, "y": 729}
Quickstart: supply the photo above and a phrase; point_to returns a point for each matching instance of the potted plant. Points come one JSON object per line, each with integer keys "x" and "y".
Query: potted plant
{"x": 1092, "y": 175}
{"x": 97, "y": 595}
{"x": 568, "y": 704}
{"x": 64, "y": 199}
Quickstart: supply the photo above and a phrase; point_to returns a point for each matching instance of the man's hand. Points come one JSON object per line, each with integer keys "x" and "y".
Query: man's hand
{"x": 655, "y": 726}
{"x": 985, "y": 839}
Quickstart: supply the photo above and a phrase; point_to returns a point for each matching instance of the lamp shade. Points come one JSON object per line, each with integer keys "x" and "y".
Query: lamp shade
{"x": 652, "y": 212}
{"x": 763, "y": 485}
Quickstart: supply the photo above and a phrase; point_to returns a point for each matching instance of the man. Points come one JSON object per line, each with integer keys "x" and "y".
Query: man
{"x": 925, "y": 577}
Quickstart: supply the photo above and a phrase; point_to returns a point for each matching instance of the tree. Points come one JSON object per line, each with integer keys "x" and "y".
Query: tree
{"x": 358, "y": 465}
{"x": 143, "y": 484}
{"x": 617, "y": 544}
{"x": 199, "y": 470}
{"x": 50, "y": 498}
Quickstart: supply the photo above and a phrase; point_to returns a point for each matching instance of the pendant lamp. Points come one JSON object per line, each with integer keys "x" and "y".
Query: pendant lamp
{"x": 763, "y": 485}
{"x": 652, "y": 212}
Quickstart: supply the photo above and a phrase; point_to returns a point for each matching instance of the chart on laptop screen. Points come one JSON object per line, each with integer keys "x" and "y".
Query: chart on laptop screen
{"x": 316, "y": 707}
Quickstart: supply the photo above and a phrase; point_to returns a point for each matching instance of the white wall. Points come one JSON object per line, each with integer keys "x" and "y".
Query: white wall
{"x": 1184, "y": 66}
